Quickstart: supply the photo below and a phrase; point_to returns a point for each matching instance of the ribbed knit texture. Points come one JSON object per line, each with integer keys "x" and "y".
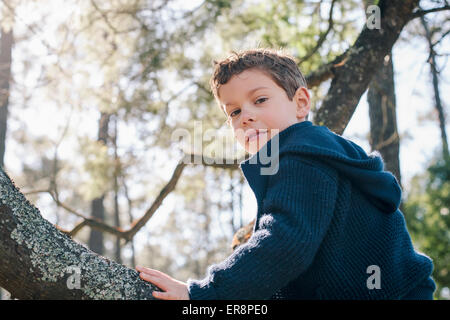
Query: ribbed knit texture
{"x": 326, "y": 215}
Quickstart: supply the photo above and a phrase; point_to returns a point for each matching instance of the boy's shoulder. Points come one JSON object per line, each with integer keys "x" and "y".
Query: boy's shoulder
{"x": 320, "y": 144}
{"x": 307, "y": 138}
{"x": 336, "y": 154}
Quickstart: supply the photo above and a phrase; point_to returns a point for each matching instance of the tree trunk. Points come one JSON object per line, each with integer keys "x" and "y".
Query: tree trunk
{"x": 95, "y": 236}
{"x": 6, "y": 43}
{"x": 40, "y": 262}
{"x": 116, "y": 192}
{"x": 355, "y": 72}
{"x": 383, "y": 116}
{"x": 98, "y": 209}
{"x": 437, "y": 96}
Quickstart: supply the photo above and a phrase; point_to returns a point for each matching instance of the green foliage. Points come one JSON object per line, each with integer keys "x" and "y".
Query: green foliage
{"x": 428, "y": 217}
{"x": 294, "y": 26}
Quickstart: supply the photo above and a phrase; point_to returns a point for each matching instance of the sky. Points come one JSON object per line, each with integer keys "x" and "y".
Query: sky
{"x": 414, "y": 96}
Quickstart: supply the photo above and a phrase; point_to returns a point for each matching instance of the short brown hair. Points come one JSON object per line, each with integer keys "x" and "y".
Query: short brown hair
{"x": 280, "y": 66}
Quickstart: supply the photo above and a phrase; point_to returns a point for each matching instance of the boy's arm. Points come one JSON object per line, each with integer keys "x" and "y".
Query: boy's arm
{"x": 297, "y": 211}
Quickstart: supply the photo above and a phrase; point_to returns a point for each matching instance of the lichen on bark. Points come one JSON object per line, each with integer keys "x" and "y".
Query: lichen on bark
{"x": 50, "y": 254}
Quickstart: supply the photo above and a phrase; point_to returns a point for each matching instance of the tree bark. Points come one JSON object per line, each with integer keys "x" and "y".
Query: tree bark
{"x": 36, "y": 258}
{"x": 383, "y": 117}
{"x": 354, "y": 74}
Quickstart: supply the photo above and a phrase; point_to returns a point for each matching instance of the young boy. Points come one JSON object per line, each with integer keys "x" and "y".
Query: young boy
{"x": 328, "y": 224}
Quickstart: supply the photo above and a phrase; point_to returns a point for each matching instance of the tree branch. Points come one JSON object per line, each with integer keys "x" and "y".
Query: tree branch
{"x": 440, "y": 39}
{"x": 420, "y": 13}
{"x": 38, "y": 261}
{"x": 367, "y": 53}
{"x": 232, "y": 164}
{"x": 326, "y": 71}
{"x": 323, "y": 35}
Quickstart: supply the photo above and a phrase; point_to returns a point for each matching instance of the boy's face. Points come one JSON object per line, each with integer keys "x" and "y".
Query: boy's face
{"x": 256, "y": 105}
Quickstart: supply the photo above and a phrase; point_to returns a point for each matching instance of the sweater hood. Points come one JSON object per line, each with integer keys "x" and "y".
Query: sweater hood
{"x": 318, "y": 143}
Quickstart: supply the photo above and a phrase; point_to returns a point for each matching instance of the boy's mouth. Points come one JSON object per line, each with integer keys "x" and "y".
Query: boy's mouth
{"x": 253, "y": 134}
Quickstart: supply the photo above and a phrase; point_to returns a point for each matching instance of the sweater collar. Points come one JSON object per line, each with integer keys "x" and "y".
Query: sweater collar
{"x": 272, "y": 146}
{"x": 265, "y": 162}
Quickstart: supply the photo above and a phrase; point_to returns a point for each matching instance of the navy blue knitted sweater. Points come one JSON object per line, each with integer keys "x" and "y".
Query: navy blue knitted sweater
{"x": 325, "y": 218}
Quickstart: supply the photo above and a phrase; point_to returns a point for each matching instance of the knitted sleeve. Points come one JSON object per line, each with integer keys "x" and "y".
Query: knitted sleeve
{"x": 295, "y": 216}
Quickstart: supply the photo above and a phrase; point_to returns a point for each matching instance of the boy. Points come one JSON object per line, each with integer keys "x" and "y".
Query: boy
{"x": 328, "y": 224}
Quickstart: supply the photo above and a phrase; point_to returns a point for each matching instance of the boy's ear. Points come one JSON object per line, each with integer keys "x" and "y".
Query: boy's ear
{"x": 303, "y": 102}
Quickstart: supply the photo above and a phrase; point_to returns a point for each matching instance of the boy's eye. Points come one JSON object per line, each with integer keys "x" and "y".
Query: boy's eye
{"x": 261, "y": 100}
{"x": 232, "y": 114}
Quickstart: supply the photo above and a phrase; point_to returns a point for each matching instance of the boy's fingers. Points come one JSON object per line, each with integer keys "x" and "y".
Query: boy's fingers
{"x": 145, "y": 270}
{"x": 152, "y": 272}
{"x": 159, "y": 282}
{"x": 161, "y": 295}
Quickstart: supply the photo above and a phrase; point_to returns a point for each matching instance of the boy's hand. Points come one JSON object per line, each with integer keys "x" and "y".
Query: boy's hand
{"x": 174, "y": 289}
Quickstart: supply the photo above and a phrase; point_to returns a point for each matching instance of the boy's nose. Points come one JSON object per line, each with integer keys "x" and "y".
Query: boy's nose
{"x": 247, "y": 118}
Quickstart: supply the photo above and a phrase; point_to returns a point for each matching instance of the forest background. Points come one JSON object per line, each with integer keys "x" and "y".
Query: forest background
{"x": 91, "y": 93}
